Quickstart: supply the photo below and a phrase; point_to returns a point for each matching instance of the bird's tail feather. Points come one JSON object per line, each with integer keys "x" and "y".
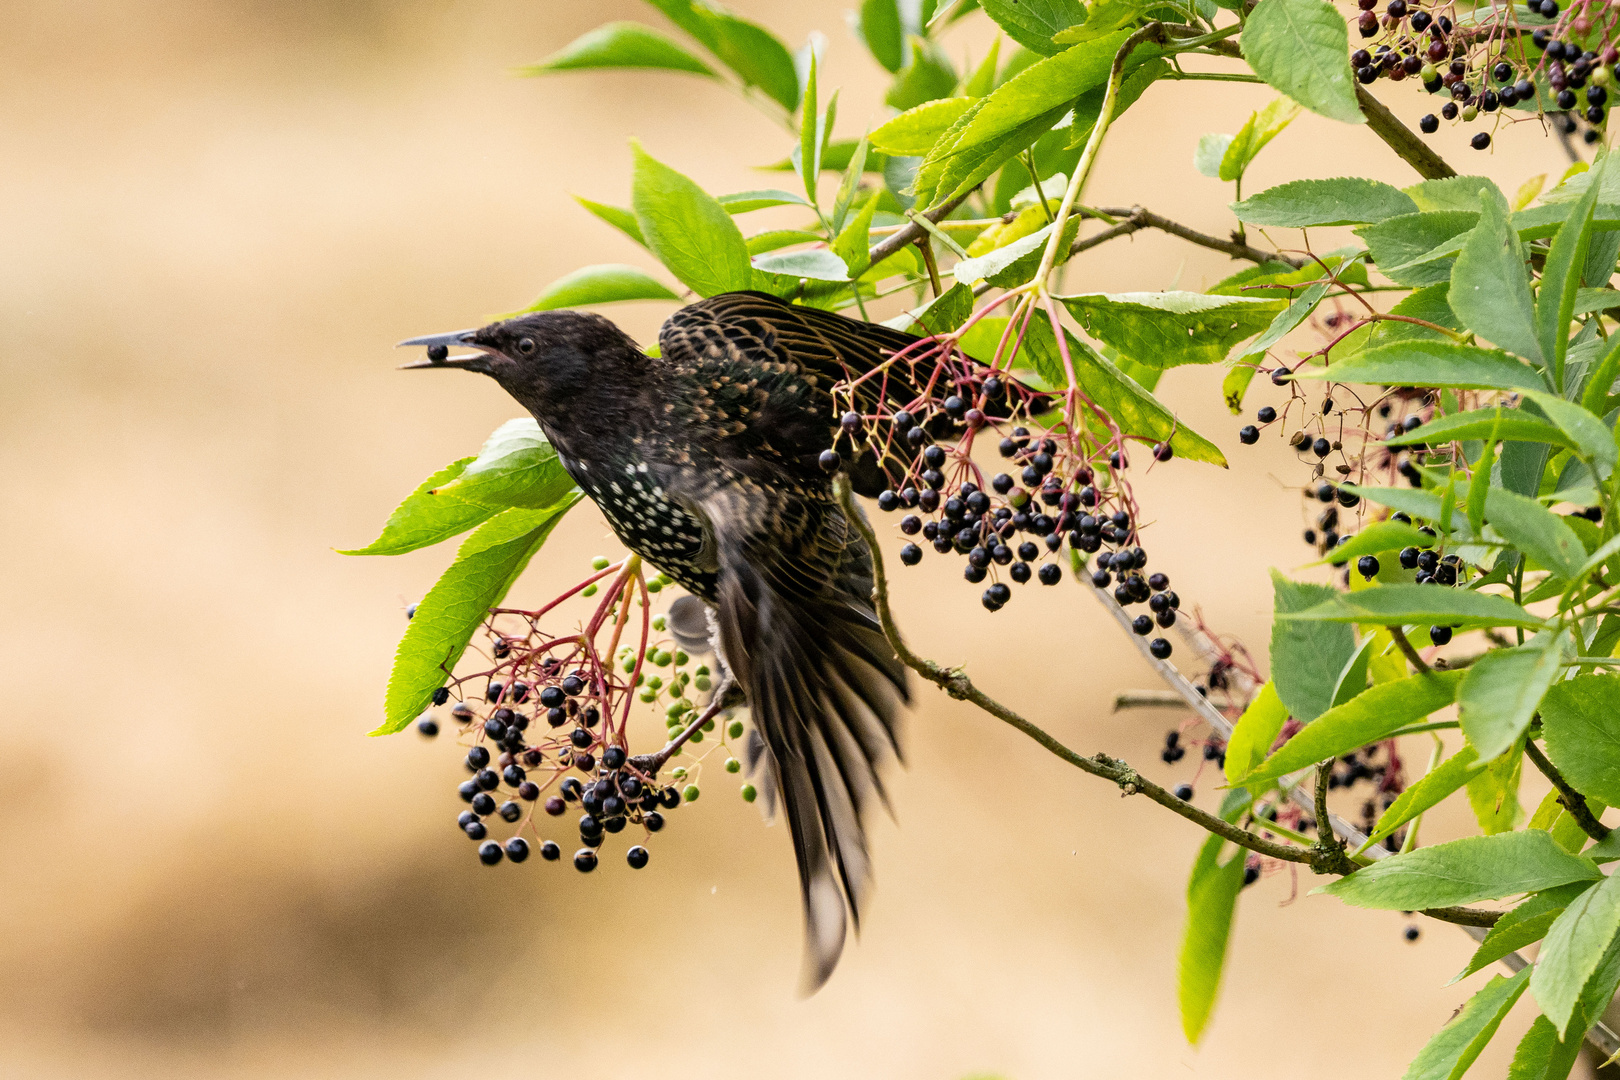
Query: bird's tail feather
{"x": 825, "y": 689}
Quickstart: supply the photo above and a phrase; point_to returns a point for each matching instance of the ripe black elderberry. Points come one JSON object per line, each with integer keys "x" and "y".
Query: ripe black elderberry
{"x": 475, "y": 829}
{"x": 1439, "y": 634}
{"x": 1248, "y": 435}
{"x": 1367, "y": 567}
{"x": 489, "y": 853}
{"x": 428, "y": 727}
{"x": 550, "y": 852}
{"x": 1184, "y": 792}
{"x": 636, "y": 857}
{"x": 1049, "y": 573}
{"x": 1160, "y": 648}
{"x": 585, "y": 860}
{"x": 483, "y": 804}
{"x": 1142, "y": 624}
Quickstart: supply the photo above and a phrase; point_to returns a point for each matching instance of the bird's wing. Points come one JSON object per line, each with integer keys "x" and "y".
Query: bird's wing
{"x": 797, "y": 629}
{"x": 768, "y": 368}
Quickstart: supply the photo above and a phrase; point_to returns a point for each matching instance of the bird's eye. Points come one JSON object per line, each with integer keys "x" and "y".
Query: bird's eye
{"x": 526, "y": 345}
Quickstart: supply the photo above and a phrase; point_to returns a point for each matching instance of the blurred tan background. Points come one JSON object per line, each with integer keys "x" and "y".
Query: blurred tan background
{"x": 216, "y": 218}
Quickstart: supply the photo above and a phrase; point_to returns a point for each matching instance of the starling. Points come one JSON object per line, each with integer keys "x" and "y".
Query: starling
{"x": 707, "y": 462}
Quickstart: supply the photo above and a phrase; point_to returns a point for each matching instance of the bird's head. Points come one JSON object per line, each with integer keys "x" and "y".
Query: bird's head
{"x": 546, "y": 360}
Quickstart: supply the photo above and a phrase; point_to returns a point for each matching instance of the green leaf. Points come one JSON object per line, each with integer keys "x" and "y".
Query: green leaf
{"x": 1589, "y": 436}
{"x": 1433, "y": 363}
{"x": 1429, "y": 304}
{"x": 608, "y": 283}
{"x": 1254, "y": 733}
{"x": 880, "y": 29}
{"x": 1415, "y": 501}
{"x": 850, "y": 244}
{"x": 1493, "y": 793}
{"x": 1413, "y": 249}
{"x": 426, "y": 518}
{"x": 1561, "y": 279}
{"x": 818, "y": 264}
{"x": 688, "y": 229}
{"x": 1285, "y": 322}
{"x": 1574, "y": 948}
{"x": 772, "y": 239}
{"x": 1353, "y": 679}
{"x": 753, "y": 52}
{"x": 1015, "y": 263}
{"x": 1136, "y": 411}
{"x": 1524, "y": 925}
{"x": 1453, "y": 193}
{"x": 621, "y": 45}
{"x": 1212, "y": 892}
{"x": 1438, "y": 784}
{"x": 1501, "y": 690}
{"x": 1490, "y": 286}
{"x": 517, "y": 467}
{"x": 1462, "y": 872}
{"x": 1395, "y": 605}
{"x": 1535, "y": 530}
{"x": 1170, "y": 328}
{"x": 916, "y": 130}
{"x": 1053, "y": 83}
{"x": 1540, "y": 1056}
{"x": 944, "y": 313}
{"x": 1369, "y": 716}
{"x": 1347, "y": 200}
{"x": 489, "y": 561}
{"x": 1376, "y": 538}
{"x": 616, "y": 216}
{"x": 1301, "y": 47}
{"x": 1262, "y": 126}
{"x": 1306, "y": 658}
{"x": 928, "y": 76}
{"x": 1482, "y": 424}
{"x": 1581, "y": 723}
{"x": 812, "y": 134}
{"x": 1209, "y": 153}
{"x": 741, "y": 202}
{"x": 1032, "y": 23}
{"x": 1235, "y": 385}
{"x": 1454, "y": 1047}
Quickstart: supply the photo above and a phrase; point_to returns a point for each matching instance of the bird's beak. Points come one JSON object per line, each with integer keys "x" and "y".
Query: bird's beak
{"x": 438, "y": 347}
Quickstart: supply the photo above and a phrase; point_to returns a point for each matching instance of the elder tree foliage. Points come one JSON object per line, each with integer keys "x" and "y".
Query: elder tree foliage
{"x": 1453, "y": 414}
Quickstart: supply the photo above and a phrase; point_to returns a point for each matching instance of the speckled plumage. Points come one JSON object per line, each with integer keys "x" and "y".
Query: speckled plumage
{"x": 704, "y": 461}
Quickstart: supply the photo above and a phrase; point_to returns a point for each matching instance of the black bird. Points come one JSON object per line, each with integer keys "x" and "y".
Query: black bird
{"x": 706, "y": 462}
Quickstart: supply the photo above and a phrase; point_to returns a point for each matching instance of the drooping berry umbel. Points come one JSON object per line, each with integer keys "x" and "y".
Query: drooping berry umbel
{"x": 711, "y": 461}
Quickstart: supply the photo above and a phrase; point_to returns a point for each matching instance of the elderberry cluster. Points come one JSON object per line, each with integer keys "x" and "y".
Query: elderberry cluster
{"x": 545, "y": 730}
{"x": 1493, "y": 64}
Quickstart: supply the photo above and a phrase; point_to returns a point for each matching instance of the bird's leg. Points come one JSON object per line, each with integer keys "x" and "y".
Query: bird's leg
{"x": 651, "y": 763}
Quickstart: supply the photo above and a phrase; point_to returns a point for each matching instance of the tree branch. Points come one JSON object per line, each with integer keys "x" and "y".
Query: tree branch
{"x": 1137, "y": 217}
{"x": 1406, "y": 648}
{"x": 910, "y": 234}
{"x": 1568, "y": 797}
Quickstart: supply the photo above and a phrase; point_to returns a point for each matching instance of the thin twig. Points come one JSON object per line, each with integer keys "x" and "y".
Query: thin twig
{"x": 1568, "y": 797}
{"x": 1140, "y": 218}
{"x": 1406, "y": 647}
{"x": 908, "y": 235}
{"x": 1147, "y": 699}
{"x": 1323, "y": 859}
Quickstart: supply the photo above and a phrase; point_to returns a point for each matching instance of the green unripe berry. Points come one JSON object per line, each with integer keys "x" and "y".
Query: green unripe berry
{"x": 658, "y": 622}
{"x": 628, "y": 665}
{"x": 708, "y": 725}
{"x": 680, "y": 658}
{"x": 1429, "y": 73}
{"x": 654, "y": 682}
{"x": 1469, "y": 113}
{"x": 702, "y": 669}
{"x": 655, "y": 586}
{"x": 648, "y": 696}
{"x": 735, "y": 730}
{"x": 691, "y": 793}
{"x": 589, "y": 590}
{"x": 1600, "y": 77}
{"x": 678, "y": 706}
{"x": 601, "y": 562}
{"x": 702, "y": 682}
{"x": 697, "y": 736}
{"x": 733, "y": 765}
{"x": 660, "y": 658}
{"x": 749, "y": 793}
{"x": 679, "y": 773}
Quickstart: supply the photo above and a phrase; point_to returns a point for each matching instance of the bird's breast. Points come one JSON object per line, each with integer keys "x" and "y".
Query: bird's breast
{"x": 650, "y": 521}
